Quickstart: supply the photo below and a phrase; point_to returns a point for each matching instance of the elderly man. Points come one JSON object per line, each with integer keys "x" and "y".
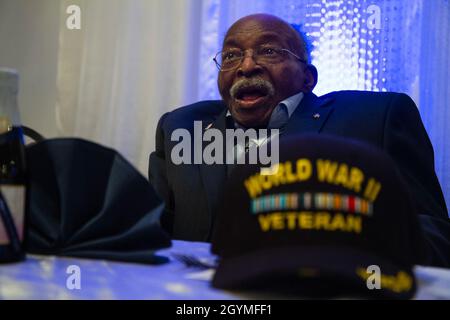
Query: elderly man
{"x": 266, "y": 81}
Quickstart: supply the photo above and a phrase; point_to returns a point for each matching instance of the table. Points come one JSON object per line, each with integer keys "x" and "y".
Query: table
{"x": 47, "y": 277}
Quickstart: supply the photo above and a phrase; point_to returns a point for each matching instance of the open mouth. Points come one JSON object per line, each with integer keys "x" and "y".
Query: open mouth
{"x": 251, "y": 96}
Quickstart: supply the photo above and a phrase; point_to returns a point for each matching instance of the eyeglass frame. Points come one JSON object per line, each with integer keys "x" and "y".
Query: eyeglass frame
{"x": 243, "y": 56}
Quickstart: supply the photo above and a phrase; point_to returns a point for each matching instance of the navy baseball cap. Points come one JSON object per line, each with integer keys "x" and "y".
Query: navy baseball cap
{"x": 334, "y": 218}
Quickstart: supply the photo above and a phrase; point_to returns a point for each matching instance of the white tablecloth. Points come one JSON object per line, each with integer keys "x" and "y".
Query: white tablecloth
{"x": 46, "y": 277}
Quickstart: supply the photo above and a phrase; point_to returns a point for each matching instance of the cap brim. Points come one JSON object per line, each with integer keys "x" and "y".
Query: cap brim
{"x": 320, "y": 271}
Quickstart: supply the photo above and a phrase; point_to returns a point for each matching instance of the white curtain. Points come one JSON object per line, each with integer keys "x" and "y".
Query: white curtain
{"x": 130, "y": 62}
{"x": 434, "y": 73}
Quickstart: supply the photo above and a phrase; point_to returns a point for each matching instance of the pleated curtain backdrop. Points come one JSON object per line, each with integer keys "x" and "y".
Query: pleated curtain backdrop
{"x": 130, "y": 62}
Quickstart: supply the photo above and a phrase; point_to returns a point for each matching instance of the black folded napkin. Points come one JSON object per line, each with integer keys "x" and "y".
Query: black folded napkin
{"x": 85, "y": 200}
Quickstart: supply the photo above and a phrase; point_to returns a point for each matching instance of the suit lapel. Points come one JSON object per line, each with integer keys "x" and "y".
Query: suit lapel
{"x": 214, "y": 176}
{"x": 310, "y": 115}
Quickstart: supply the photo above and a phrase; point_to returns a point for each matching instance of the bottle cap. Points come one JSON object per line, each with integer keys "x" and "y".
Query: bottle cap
{"x": 9, "y": 87}
{"x": 9, "y": 78}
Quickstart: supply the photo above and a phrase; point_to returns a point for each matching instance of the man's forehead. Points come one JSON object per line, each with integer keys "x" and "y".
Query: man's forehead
{"x": 256, "y": 35}
{"x": 258, "y": 28}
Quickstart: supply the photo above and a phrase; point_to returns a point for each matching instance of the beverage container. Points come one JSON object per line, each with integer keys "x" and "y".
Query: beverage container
{"x": 12, "y": 171}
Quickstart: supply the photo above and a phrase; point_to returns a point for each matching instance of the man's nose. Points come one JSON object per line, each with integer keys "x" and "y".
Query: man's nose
{"x": 248, "y": 65}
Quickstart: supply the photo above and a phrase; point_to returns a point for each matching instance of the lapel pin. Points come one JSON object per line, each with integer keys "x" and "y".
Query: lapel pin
{"x": 316, "y": 116}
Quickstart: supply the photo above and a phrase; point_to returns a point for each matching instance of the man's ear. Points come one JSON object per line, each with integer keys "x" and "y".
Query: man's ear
{"x": 311, "y": 77}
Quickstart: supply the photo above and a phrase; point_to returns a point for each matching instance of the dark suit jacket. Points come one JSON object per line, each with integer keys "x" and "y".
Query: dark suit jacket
{"x": 389, "y": 121}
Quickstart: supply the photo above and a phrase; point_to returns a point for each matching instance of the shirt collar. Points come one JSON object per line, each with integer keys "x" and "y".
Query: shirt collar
{"x": 292, "y": 102}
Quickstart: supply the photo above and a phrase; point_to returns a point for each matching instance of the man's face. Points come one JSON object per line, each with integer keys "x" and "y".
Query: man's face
{"x": 257, "y": 89}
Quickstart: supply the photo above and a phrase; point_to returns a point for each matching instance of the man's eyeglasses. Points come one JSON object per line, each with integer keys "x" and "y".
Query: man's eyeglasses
{"x": 231, "y": 59}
